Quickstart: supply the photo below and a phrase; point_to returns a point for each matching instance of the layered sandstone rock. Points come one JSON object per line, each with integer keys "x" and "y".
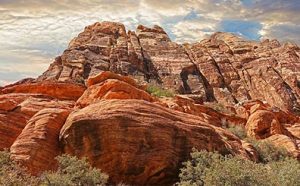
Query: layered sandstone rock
{"x": 224, "y": 67}
{"x": 38, "y": 145}
{"x": 59, "y": 90}
{"x": 138, "y": 142}
{"x": 262, "y": 124}
{"x": 16, "y": 109}
{"x": 283, "y": 141}
{"x": 108, "y": 85}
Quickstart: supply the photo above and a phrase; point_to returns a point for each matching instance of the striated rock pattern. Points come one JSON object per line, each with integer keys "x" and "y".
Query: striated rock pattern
{"x": 37, "y": 145}
{"x": 92, "y": 101}
{"x": 111, "y": 86}
{"x": 59, "y": 90}
{"x": 262, "y": 124}
{"x": 18, "y": 108}
{"x": 224, "y": 67}
{"x": 150, "y": 141}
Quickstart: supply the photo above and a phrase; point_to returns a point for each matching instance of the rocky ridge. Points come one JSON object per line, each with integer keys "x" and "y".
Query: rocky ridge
{"x": 92, "y": 101}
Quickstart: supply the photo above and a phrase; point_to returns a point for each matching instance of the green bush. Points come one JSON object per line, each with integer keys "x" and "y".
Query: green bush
{"x": 237, "y": 130}
{"x": 71, "y": 172}
{"x": 158, "y": 91}
{"x": 287, "y": 171}
{"x": 267, "y": 151}
{"x": 11, "y": 173}
{"x": 74, "y": 171}
{"x": 207, "y": 168}
{"x": 219, "y": 107}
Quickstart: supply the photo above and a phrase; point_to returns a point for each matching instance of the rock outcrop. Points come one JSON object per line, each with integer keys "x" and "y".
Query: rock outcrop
{"x": 149, "y": 140}
{"x": 92, "y": 101}
{"x": 37, "y": 145}
{"x": 224, "y": 67}
{"x": 108, "y": 85}
{"x": 16, "y": 109}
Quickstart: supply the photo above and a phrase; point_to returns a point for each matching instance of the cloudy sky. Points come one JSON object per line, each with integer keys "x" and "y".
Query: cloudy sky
{"x": 33, "y": 32}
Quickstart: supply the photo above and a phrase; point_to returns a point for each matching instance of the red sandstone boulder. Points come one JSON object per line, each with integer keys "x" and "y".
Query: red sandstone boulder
{"x": 112, "y": 89}
{"x": 101, "y": 77}
{"x": 59, "y": 90}
{"x": 108, "y": 85}
{"x": 15, "y": 115}
{"x": 141, "y": 143}
{"x": 287, "y": 143}
{"x": 262, "y": 124}
{"x": 38, "y": 145}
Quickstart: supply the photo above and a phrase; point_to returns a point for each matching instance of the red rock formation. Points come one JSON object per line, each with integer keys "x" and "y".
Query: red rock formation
{"x": 287, "y": 143}
{"x": 37, "y": 145}
{"x": 139, "y": 139}
{"x": 262, "y": 124}
{"x": 138, "y": 142}
{"x": 101, "y": 77}
{"x": 224, "y": 67}
{"x": 16, "y": 109}
{"x": 184, "y": 104}
{"x": 111, "y": 88}
{"x": 59, "y": 90}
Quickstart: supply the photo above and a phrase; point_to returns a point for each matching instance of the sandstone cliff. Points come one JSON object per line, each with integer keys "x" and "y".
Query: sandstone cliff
{"x": 92, "y": 102}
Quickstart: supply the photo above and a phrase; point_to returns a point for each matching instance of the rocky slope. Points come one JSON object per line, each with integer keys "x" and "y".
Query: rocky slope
{"x": 92, "y": 102}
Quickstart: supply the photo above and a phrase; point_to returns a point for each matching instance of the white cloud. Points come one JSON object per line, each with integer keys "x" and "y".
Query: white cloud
{"x": 194, "y": 31}
{"x": 36, "y": 31}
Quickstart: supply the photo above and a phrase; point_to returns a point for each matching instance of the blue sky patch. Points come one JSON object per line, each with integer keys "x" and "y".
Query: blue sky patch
{"x": 248, "y": 29}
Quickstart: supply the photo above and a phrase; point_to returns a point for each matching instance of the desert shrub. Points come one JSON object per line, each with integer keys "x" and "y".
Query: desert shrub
{"x": 237, "y": 130}
{"x": 267, "y": 151}
{"x": 158, "y": 91}
{"x": 194, "y": 170}
{"x": 73, "y": 171}
{"x": 219, "y": 107}
{"x": 287, "y": 171}
{"x": 12, "y": 174}
{"x": 207, "y": 168}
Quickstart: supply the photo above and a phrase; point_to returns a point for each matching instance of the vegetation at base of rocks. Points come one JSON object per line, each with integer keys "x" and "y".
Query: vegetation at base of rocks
{"x": 267, "y": 151}
{"x": 11, "y": 173}
{"x": 219, "y": 107}
{"x": 71, "y": 172}
{"x": 208, "y": 168}
{"x": 74, "y": 171}
{"x": 159, "y": 91}
{"x": 237, "y": 130}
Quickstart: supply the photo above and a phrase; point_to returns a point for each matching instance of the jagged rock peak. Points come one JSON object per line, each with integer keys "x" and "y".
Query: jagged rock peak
{"x": 225, "y": 68}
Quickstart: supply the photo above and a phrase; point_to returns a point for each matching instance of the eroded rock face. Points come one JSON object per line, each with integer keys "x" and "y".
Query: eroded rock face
{"x": 38, "y": 145}
{"x": 287, "y": 143}
{"x": 224, "y": 67}
{"x": 262, "y": 124}
{"x": 16, "y": 109}
{"x": 138, "y": 142}
{"x": 59, "y": 90}
{"x": 108, "y": 85}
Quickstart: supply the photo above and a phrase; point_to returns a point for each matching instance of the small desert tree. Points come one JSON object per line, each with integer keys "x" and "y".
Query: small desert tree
{"x": 207, "y": 168}
{"x": 73, "y": 171}
{"x": 11, "y": 173}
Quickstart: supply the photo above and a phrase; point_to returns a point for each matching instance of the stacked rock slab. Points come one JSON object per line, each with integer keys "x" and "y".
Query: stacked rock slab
{"x": 224, "y": 67}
